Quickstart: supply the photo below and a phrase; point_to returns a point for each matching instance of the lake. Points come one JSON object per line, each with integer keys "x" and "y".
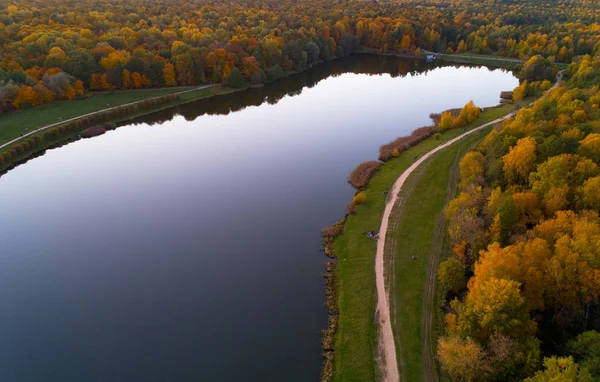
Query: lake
{"x": 185, "y": 246}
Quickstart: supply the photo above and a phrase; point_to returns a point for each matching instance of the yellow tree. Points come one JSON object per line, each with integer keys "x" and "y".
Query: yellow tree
{"x": 446, "y": 120}
{"x": 528, "y": 206}
{"x": 169, "y": 75}
{"x": 405, "y": 43}
{"x": 556, "y": 199}
{"x": 561, "y": 370}
{"x": 590, "y": 147}
{"x": 25, "y": 96}
{"x": 590, "y": 194}
{"x": 472, "y": 168}
{"x": 136, "y": 79}
{"x": 79, "y": 89}
{"x": 462, "y": 359}
{"x": 496, "y": 308}
{"x": 520, "y": 160}
{"x": 470, "y": 112}
{"x": 520, "y": 92}
{"x": 127, "y": 84}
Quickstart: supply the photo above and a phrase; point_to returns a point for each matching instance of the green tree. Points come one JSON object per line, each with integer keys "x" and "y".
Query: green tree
{"x": 451, "y": 274}
{"x": 561, "y": 370}
{"x": 538, "y": 68}
{"x": 236, "y": 79}
{"x": 586, "y": 350}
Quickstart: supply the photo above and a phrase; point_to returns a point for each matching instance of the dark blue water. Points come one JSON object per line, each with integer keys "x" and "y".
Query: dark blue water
{"x": 188, "y": 249}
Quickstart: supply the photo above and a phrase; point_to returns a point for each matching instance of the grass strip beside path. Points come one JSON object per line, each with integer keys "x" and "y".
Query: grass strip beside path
{"x": 418, "y": 233}
{"x": 356, "y": 340}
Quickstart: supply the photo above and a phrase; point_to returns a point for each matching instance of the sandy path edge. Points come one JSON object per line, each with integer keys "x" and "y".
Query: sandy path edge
{"x": 387, "y": 346}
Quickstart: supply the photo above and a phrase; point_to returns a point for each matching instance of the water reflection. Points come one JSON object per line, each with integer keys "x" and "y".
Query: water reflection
{"x": 290, "y": 86}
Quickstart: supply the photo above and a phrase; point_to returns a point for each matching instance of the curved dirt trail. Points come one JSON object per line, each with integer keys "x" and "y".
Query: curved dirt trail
{"x": 387, "y": 346}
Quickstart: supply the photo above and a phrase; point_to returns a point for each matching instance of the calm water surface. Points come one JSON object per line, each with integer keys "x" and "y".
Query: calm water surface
{"x": 185, "y": 247}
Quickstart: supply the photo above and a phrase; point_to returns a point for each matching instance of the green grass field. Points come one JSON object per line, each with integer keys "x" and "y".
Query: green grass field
{"x": 481, "y": 59}
{"x": 355, "y": 346}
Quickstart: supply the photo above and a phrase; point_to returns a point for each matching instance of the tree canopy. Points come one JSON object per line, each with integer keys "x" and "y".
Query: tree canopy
{"x": 109, "y": 44}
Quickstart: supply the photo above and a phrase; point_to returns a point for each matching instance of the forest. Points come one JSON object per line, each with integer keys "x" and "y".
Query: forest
{"x": 58, "y": 50}
{"x": 523, "y": 283}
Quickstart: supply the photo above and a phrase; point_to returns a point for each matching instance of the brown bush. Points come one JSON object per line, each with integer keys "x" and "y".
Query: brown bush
{"x": 424, "y": 131}
{"x": 93, "y": 131}
{"x": 359, "y": 177}
{"x": 402, "y": 143}
{"x": 332, "y": 231}
{"x": 350, "y": 209}
{"x": 327, "y": 372}
{"x": 507, "y": 95}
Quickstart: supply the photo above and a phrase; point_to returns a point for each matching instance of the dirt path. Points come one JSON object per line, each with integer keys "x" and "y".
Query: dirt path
{"x": 87, "y": 115}
{"x": 387, "y": 347}
{"x": 390, "y": 243}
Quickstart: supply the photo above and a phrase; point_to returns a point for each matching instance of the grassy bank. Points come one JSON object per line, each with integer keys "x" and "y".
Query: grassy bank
{"x": 489, "y": 60}
{"x": 481, "y": 59}
{"x": 355, "y": 345}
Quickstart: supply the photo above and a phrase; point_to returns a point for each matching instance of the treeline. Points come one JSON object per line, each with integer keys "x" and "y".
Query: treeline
{"x": 523, "y": 283}
{"x": 109, "y": 44}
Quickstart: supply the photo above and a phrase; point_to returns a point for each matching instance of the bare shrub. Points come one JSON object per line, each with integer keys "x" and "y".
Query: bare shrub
{"x": 386, "y": 152}
{"x": 93, "y": 131}
{"x": 350, "y": 209}
{"x": 423, "y": 132}
{"x": 332, "y": 231}
{"x": 359, "y": 177}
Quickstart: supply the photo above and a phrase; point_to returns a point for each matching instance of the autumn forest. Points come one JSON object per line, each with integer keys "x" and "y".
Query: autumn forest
{"x": 56, "y": 50}
{"x": 521, "y": 280}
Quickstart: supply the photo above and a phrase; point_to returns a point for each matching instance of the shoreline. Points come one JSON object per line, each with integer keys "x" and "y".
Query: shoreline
{"x": 11, "y": 158}
{"x": 186, "y": 89}
{"x": 30, "y": 153}
{"x": 367, "y": 258}
{"x": 333, "y": 236}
